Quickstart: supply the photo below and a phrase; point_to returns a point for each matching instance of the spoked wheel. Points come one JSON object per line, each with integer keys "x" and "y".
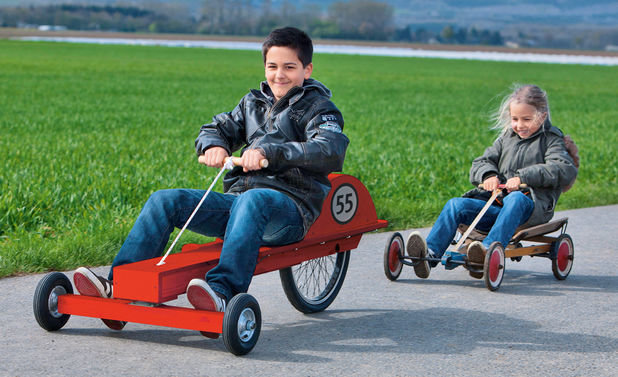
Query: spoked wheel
{"x": 493, "y": 269}
{"x": 562, "y": 256}
{"x": 313, "y": 285}
{"x": 45, "y": 302}
{"x": 392, "y": 257}
{"x": 242, "y": 323}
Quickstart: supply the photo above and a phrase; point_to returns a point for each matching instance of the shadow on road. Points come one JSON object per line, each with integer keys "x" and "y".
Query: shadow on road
{"x": 531, "y": 283}
{"x": 436, "y": 330}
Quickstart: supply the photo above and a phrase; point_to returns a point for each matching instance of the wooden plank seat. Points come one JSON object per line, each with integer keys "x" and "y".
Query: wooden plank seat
{"x": 534, "y": 233}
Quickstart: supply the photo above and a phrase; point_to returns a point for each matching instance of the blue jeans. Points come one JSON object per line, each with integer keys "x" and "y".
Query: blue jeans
{"x": 501, "y": 222}
{"x": 245, "y": 222}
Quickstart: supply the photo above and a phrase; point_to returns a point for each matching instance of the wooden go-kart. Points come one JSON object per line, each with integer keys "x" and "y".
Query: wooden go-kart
{"x": 538, "y": 243}
{"x": 312, "y": 272}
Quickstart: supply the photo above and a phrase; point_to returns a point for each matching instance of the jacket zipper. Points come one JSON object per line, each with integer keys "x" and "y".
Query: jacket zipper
{"x": 287, "y": 95}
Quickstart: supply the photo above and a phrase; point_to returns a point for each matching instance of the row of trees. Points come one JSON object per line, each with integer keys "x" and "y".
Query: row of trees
{"x": 354, "y": 19}
{"x": 79, "y": 17}
{"x": 450, "y": 35}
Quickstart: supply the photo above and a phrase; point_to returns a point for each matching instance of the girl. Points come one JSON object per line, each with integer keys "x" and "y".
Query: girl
{"x": 529, "y": 150}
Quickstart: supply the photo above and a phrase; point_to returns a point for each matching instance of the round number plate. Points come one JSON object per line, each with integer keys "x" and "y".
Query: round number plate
{"x": 344, "y": 203}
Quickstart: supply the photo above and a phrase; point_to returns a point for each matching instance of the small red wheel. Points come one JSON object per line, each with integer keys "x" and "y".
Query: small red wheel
{"x": 493, "y": 270}
{"x": 393, "y": 253}
{"x": 562, "y": 256}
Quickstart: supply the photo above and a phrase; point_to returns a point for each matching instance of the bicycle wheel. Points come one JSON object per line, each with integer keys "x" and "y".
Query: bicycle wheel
{"x": 313, "y": 285}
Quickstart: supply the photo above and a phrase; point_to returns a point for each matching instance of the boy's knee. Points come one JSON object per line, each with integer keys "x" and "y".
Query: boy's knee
{"x": 254, "y": 198}
{"x": 161, "y": 195}
{"x": 257, "y": 200}
{"x": 168, "y": 198}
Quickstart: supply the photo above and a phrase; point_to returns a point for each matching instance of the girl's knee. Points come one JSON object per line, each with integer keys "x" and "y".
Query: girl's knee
{"x": 515, "y": 196}
{"x": 454, "y": 204}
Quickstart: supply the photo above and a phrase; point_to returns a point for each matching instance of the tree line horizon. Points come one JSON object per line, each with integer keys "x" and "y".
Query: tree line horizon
{"x": 354, "y": 20}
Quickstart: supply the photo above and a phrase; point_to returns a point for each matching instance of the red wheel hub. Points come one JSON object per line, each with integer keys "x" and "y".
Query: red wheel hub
{"x": 494, "y": 266}
{"x": 563, "y": 256}
{"x": 393, "y": 256}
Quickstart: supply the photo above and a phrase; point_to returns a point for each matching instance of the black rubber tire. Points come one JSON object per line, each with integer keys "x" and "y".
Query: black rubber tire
{"x": 311, "y": 292}
{"x": 562, "y": 256}
{"x": 393, "y": 253}
{"x": 242, "y": 323}
{"x": 45, "y": 302}
{"x": 493, "y": 269}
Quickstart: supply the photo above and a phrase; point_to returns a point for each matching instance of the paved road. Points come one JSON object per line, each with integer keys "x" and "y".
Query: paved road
{"x": 447, "y": 325}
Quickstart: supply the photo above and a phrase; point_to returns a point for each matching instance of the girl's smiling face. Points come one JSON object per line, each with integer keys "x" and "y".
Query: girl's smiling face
{"x": 525, "y": 119}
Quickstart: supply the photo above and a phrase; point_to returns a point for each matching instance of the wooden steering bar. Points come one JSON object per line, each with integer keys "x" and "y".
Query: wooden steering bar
{"x": 237, "y": 161}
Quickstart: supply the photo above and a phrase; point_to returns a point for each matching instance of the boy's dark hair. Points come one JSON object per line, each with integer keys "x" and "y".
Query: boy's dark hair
{"x": 293, "y": 38}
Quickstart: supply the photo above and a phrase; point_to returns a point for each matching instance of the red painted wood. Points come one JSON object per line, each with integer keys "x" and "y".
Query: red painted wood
{"x": 145, "y": 281}
{"x": 125, "y": 310}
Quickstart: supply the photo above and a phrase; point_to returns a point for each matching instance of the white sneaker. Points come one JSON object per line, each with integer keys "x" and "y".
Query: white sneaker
{"x": 476, "y": 253}
{"x": 88, "y": 283}
{"x": 202, "y": 297}
{"x": 416, "y": 247}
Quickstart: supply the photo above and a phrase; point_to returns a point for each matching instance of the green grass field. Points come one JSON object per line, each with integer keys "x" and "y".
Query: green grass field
{"x": 87, "y": 132}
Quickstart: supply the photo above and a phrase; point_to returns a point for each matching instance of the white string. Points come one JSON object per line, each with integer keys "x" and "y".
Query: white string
{"x": 477, "y": 219}
{"x": 229, "y": 164}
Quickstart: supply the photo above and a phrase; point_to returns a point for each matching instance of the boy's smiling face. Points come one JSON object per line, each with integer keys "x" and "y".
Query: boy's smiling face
{"x": 284, "y": 70}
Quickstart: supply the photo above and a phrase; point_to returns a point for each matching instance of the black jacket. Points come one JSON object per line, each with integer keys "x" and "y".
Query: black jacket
{"x": 300, "y": 135}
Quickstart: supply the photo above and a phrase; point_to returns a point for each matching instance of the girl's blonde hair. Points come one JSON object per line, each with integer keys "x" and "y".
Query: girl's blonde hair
{"x": 529, "y": 94}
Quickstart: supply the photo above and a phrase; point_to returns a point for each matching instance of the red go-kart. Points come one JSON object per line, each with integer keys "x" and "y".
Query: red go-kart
{"x": 141, "y": 289}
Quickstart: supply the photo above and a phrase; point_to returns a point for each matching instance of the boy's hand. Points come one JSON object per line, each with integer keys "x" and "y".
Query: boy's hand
{"x": 214, "y": 157}
{"x": 491, "y": 183}
{"x": 251, "y": 160}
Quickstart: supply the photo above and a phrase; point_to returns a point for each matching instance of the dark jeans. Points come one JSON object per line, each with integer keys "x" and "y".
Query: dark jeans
{"x": 245, "y": 222}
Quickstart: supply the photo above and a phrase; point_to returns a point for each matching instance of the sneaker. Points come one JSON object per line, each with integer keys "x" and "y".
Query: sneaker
{"x": 88, "y": 283}
{"x": 476, "y": 255}
{"x": 202, "y": 297}
{"x": 416, "y": 247}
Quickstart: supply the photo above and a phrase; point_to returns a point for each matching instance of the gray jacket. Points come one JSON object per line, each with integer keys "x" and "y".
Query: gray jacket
{"x": 300, "y": 135}
{"x": 541, "y": 161}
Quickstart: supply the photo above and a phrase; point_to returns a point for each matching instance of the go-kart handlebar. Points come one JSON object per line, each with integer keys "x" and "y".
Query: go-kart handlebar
{"x": 502, "y": 186}
{"x": 237, "y": 161}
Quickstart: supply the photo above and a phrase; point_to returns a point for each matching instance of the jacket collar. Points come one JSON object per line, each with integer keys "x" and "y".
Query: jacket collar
{"x": 297, "y": 92}
{"x": 545, "y": 127}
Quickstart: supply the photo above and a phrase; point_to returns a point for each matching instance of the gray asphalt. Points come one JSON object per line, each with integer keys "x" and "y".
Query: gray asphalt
{"x": 447, "y": 325}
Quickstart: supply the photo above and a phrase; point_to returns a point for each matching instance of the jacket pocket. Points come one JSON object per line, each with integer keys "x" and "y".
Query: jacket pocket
{"x": 294, "y": 178}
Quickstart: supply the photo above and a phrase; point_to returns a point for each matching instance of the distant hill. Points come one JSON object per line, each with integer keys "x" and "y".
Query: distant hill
{"x": 431, "y": 14}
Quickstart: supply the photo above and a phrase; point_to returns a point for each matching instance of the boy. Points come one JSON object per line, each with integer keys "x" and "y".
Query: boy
{"x": 291, "y": 123}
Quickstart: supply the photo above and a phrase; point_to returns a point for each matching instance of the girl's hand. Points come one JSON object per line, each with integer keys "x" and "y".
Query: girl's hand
{"x": 491, "y": 183}
{"x": 214, "y": 157}
{"x": 513, "y": 184}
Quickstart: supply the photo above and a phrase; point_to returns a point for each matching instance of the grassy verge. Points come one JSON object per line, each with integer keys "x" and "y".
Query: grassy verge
{"x": 87, "y": 132}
